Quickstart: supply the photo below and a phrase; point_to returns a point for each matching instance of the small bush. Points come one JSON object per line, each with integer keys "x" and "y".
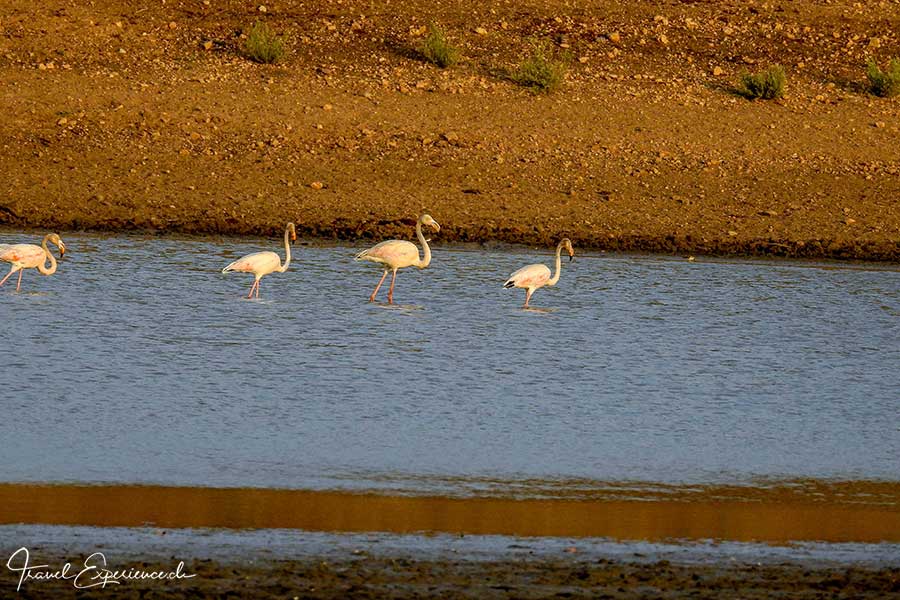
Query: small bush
{"x": 542, "y": 70}
{"x": 768, "y": 84}
{"x": 437, "y": 49}
{"x": 263, "y": 45}
{"x": 884, "y": 83}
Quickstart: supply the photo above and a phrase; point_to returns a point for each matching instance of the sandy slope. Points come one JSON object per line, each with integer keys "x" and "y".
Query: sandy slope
{"x": 123, "y": 116}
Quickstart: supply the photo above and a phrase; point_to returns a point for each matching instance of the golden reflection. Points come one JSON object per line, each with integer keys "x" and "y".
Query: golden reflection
{"x": 839, "y": 512}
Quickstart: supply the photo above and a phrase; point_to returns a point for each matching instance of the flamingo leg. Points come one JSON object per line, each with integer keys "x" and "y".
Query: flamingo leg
{"x": 377, "y": 287}
{"x": 8, "y": 275}
{"x": 257, "y": 289}
{"x": 19, "y": 282}
{"x": 391, "y": 291}
{"x": 527, "y": 298}
{"x": 253, "y": 287}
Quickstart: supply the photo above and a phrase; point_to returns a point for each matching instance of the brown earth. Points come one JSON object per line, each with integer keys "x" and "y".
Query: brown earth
{"x": 147, "y": 116}
{"x": 366, "y": 576}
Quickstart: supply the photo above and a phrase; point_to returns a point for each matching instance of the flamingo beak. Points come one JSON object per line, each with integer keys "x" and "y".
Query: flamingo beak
{"x": 62, "y": 250}
{"x": 435, "y": 225}
{"x": 571, "y": 257}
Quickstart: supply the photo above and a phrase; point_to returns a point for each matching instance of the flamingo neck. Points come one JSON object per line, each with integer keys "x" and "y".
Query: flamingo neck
{"x": 47, "y": 254}
{"x": 555, "y": 277}
{"x": 287, "y": 251}
{"x": 426, "y": 259}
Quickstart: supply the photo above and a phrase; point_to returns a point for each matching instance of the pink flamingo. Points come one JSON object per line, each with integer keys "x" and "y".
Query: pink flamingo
{"x": 263, "y": 263}
{"x": 396, "y": 254}
{"x": 537, "y": 275}
{"x": 29, "y": 256}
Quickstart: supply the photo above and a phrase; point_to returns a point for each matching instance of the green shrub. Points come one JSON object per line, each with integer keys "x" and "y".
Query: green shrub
{"x": 768, "y": 84}
{"x": 437, "y": 49}
{"x": 263, "y": 45}
{"x": 542, "y": 70}
{"x": 884, "y": 83}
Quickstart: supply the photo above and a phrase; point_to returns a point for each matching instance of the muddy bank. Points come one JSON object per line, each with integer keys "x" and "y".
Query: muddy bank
{"x": 371, "y": 576}
{"x": 153, "y": 119}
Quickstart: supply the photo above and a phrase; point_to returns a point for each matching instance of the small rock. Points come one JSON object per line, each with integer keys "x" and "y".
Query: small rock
{"x": 62, "y": 121}
{"x": 262, "y": 8}
{"x": 732, "y": 233}
{"x": 769, "y": 213}
{"x": 173, "y": 25}
{"x": 718, "y": 71}
{"x": 207, "y": 45}
{"x": 849, "y": 221}
{"x": 327, "y": 107}
{"x": 481, "y": 31}
{"x": 317, "y": 185}
{"x": 880, "y": 124}
{"x": 582, "y": 59}
{"x": 615, "y": 37}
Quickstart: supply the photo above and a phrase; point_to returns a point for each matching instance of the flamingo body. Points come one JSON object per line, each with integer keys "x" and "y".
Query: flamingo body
{"x": 30, "y": 256}
{"x": 258, "y": 263}
{"x": 397, "y": 254}
{"x": 263, "y": 263}
{"x": 536, "y": 276}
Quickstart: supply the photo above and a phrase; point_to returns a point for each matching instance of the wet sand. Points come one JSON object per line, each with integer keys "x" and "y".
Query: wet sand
{"x": 867, "y": 512}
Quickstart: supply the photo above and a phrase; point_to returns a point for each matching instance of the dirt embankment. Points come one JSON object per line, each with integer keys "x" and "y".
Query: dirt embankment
{"x": 146, "y": 116}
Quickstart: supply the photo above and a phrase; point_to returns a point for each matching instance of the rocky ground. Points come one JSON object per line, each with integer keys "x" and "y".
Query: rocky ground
{"x": 375, "y": 577}
{"x": 149, "y": 116}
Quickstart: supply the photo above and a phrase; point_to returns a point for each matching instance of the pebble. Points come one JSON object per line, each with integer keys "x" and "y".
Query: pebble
{"x": 615, "y": 37}
{"x": 317, "y": 185}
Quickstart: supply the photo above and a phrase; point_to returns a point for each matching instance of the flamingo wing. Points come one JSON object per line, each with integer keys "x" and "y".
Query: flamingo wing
{"x": 532, "y": 276}
{"x": 26, "y": 255}
{"x": 258, "y": 263}
{"x": 394, "y": 253}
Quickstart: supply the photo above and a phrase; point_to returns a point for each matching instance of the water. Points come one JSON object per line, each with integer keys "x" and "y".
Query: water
{"x": 138, "y": 362}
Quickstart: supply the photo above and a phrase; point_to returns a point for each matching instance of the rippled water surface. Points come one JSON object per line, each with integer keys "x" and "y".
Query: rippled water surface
{"x": 139, "y": 362}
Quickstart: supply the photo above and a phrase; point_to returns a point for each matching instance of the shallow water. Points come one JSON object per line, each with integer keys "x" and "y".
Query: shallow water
{"x": 138, "y": 362}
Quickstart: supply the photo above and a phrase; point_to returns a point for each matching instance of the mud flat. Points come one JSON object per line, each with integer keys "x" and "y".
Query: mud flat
{"x": 808, "y": 540}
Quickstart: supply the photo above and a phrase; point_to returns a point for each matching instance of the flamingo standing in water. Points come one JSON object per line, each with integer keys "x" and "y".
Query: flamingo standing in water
{"x": 396, "y": 254}
{"x": 263, "y": 263}
{"x": 537, "y": 275}
{"x": 29, "y": 256}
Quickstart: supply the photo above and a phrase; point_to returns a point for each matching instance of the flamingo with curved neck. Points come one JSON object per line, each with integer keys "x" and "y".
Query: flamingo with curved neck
{"x": 397, "y": 254}
{"x": 29, "y": 256}
{"x": 263, "y": 263}
{"x": 537, "y": 275}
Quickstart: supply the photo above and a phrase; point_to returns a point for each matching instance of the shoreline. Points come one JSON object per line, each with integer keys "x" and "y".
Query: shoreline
{"x": 284, "y": 563}
{"x": 367, "y": 233}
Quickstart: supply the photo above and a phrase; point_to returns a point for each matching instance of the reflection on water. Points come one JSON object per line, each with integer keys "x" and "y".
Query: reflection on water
{"x": 839, "y": 512}
{"x": 139, "y": 362}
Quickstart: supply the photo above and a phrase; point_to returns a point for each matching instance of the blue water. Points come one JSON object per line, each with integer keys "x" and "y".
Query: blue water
{"x": 139, "y": 362}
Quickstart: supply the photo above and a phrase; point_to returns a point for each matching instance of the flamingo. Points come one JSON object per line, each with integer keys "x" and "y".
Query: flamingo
{"x": 29, "y": 256}
{"x": 537, "y": 275}
{"x": 396, "y": 254}
{"x": 263, "y": 263}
